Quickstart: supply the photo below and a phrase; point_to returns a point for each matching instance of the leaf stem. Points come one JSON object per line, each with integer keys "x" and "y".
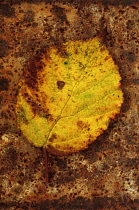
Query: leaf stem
{"x": 46, "y": 155}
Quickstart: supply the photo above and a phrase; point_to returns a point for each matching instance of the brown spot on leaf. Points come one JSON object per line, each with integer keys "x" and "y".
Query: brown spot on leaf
{"x": 53, "y": 137}
{"x": 107, "y": 57}
{"x": 57, "y": 151}
{"x": 36, "y": 106}
{"x": 31, "y": 72}
{"x": 60, "y": 84}
{"x": 61, "y": 49}
{"x": 22, "y": 115}
{"x": 82, "y": 125}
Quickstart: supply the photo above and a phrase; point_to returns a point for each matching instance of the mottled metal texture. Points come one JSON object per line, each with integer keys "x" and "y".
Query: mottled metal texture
{"x": 104, "y": 176}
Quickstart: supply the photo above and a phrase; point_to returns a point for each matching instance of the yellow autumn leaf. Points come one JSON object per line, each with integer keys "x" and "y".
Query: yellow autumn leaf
{"x": 68, "y": 96}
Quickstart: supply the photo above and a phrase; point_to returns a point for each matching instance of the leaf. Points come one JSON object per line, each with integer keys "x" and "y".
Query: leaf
{"x": 68, "y": 96}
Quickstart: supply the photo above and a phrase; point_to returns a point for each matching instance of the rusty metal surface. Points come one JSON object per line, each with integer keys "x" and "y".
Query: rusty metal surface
{"x": 104, "y": 176}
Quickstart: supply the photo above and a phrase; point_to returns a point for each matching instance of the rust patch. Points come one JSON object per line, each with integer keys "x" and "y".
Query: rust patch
{"x": 7, "y": 11}
{"x": 29, "y": 16}
{"x": 4, "y": 45}
{"x": 4, "y": 84}
{"x": 60, "y": 84}
{"x": 59, "y": 12}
